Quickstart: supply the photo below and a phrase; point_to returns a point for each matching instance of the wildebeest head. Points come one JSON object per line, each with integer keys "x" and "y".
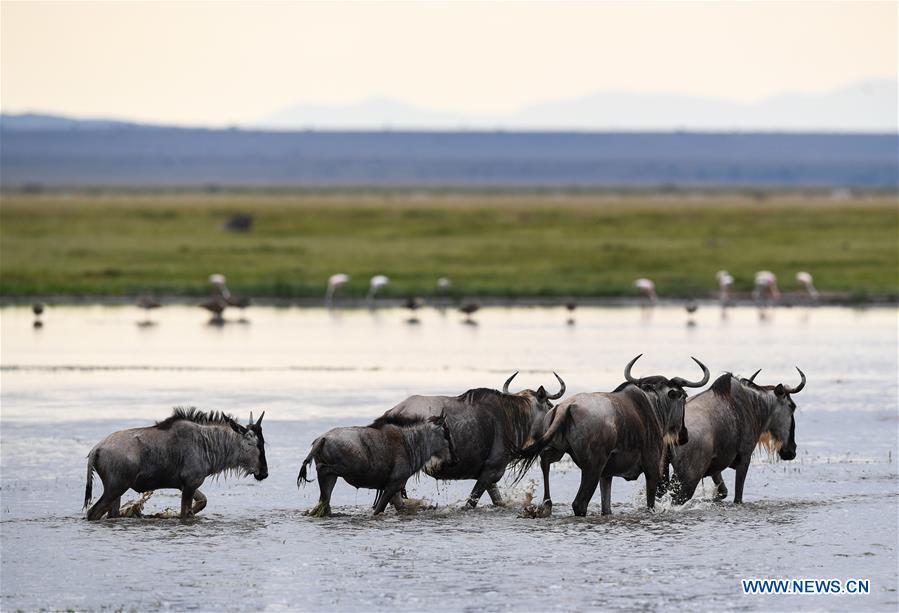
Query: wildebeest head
{"x": 781, "y": 426}
{"x": 539, "y": 399}
{"x": 252, "y": 446}
{"x": 669, "y": 397}
{"x": 442, "y": 437}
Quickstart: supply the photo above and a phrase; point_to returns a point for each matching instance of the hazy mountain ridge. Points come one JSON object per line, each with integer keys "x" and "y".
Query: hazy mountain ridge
{"x": 868, "y": 106}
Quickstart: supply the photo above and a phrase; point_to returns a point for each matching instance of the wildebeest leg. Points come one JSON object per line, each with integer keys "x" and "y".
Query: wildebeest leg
{"x": 389, "y": 492}
{"x": 187, "y": 497}
{"x": 721, "y": 492}
{"x": 742, "y": 469}
{"x": 687, "y": 487}
{"x": 488, "y": 477}
{"x": 589, "y": 481}
{"x": 199, "y": 502}
{"x": 495, "y": 497}
{"x": 605, "y": 492}
{"x": 111, "y": 494}
{"x": 546, "y": 460}
{"x": 326, "y": 482}
{"x": 114, "y": 509}
{"x": 665, "y": 480}
{"x": 398, "y": 502}
{"x": 652, "y": 484}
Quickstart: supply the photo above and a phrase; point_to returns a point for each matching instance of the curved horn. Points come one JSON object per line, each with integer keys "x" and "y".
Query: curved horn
{"x": 798, "y": 388}
{"x": 251, "y": 419}
{"x": 561, "y": 391}
{"x": 627, "y": 370}
{"x": 706, "y": 375}
{"x": 259, "y": 421}
{"x": 508, "y": 381}
{"x": 754, "y": 375}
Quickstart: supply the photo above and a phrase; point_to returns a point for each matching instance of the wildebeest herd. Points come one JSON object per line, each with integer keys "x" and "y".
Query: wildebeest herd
{"x": 647, "y": 426}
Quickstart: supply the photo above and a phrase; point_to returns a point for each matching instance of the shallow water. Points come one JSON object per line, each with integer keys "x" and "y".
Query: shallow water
{"x": 831, "y": 513}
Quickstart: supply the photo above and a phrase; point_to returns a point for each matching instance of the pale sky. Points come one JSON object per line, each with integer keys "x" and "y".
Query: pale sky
{"x": 218, "y": 63}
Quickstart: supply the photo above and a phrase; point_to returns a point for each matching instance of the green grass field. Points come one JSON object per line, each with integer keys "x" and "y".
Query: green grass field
{"x": 488, "y": 244}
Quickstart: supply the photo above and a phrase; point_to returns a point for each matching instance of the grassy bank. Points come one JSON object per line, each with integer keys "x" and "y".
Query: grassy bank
{"x": 488, "y": 244}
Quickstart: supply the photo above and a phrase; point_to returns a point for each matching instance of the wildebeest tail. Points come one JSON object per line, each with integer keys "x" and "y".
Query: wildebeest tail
{"x": 89, "y": 486}
{"x": 524, "y": 457}
{"x": 316, "y": 447}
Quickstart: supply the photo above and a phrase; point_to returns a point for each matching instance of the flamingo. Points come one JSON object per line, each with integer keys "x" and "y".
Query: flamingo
{"x": 335, "y": 282}
{"x": 805, "y": 279}
{"x": 217, "y": 281}
{"x": 376, "y": 283}
{"x": 647, "y": 288}
{"x": 765, "y": 286}
{"x": 725, "y": 282}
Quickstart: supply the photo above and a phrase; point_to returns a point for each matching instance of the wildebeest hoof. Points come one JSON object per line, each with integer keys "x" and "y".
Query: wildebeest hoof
{"x": 319, "y": 510}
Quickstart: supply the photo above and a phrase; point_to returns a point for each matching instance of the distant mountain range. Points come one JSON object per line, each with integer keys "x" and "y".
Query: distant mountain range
{"x": 870, "y": 106}
{"x": 866, "y": 107}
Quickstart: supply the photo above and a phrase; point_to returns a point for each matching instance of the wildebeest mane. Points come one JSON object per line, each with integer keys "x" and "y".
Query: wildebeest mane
{"x": 749, "y": 400}
{"x": 482, "y": 394}
{"x": 513, "y": 411}
{"x": 654, "y": 430}
{"x": 401, "y": 421}
{"x": 194, "y": 415}
{"x": 722, "y": 387}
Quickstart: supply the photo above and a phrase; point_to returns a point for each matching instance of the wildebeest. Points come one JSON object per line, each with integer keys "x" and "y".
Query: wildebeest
{"x": 487, "y": 427}
{"x": 726, "y": 423}
{"x": 178, "y": 452}
{"x": 617, "y": 434}
{"x": 381, "y": 456}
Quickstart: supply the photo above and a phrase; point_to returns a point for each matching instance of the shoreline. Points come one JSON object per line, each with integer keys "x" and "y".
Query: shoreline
{"x": 788, "y": 301}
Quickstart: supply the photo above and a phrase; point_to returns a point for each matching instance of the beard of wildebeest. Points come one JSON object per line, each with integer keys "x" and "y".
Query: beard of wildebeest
{"x": 178, "y": 452}
{"x": 727, "y": 423}
{"x": 487, "y": 426}
{"x": 622, "y": 433}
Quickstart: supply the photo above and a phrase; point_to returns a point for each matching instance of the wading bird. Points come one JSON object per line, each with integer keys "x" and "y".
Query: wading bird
{"x": 725, "y": 283}
{"x": 376, "y": 283}
{"x": 648, "y": 289}
{"x": 220, "y": 290}
{"x": 765, "y": 286}
{"x": 805, "y": 280}
{"x": 216, "y": 306}
{"x": 469, "y": 308}
{"x": 570, "y": 305}
{"x": 691, "y": 307}
{"x": 147, "y": 303}
{"x": 38, "y": 309}
{"x": 335, "y": 282}
{"x": 413, "y": 303}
